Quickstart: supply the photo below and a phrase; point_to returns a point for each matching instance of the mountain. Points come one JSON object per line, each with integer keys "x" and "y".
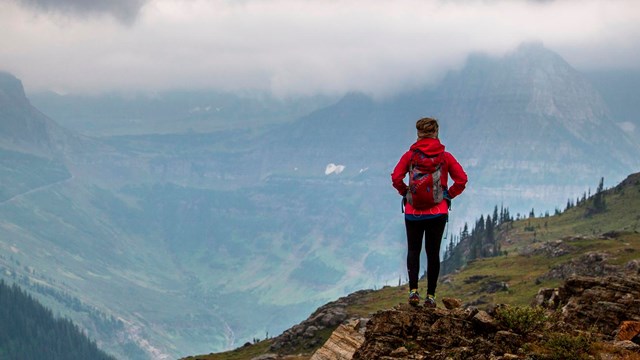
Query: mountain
{"x": 533, "y": 112}
{"x": 174, "y": 222}
{"x": 621, "y": 90}
{"x": 172, "y": 111}
{"x": 526, "y": 118}
{"x": 23, "y": 128}
{"x": 197, "y": 242}
{"x": 583, "y": 268}
{"x": 28, "y": 330}
{"x": 30, "y": 143}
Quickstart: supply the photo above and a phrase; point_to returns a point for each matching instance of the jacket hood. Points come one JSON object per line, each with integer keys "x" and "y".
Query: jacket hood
{"x": 428, "y": 146}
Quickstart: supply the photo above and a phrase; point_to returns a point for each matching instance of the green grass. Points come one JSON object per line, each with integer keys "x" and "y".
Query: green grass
{"x": 242, "y": 353}
{"x": 20, "y": 173}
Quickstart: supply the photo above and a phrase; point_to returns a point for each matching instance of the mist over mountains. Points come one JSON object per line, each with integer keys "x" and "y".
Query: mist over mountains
{"x": 198, "y": 241}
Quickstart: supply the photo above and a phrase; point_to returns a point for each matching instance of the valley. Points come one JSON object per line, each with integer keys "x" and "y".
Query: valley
{"x": 166, "y": 241}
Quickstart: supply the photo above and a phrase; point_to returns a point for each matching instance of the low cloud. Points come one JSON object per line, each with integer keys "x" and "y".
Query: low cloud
{"x": 125, "y": 11}
{"x": 292, "y": 47}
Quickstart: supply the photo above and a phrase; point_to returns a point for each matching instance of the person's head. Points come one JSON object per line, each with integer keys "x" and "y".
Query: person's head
{"x": 427, "y": 128}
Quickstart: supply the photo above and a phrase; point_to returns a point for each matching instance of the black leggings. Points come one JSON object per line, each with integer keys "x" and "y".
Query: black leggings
{"x": 432, "y": 230}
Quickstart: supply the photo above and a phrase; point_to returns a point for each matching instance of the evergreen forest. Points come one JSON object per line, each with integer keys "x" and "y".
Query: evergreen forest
{"x": 28, "y": 330}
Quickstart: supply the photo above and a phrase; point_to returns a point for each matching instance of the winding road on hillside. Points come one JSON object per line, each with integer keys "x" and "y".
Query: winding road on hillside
{"x": 39, "y": 188}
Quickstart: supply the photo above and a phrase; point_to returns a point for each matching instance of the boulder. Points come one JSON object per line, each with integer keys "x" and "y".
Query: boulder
{"x": 329, "y": 315}
{"x": 629, "y": 330}
{"x": 627, "y": 345}
{"x": 342, "y": 343}
{"x": 266, "y": 357}
{"x": 451, "y": 303}
{"x": 484, "y": 322}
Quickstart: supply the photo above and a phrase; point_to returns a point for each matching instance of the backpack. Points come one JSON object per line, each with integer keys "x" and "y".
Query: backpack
{"x": 425, "y": 190}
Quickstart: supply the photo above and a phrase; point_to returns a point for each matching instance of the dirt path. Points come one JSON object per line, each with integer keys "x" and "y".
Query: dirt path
{"x": 39, "y": 188}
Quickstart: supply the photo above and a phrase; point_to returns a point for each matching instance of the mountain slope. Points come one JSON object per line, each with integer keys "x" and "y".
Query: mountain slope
{"x": 532, "y": 112}
{"x": 528, "y": 128}
{"x": 29, "y": 144}
{"x": 176, "y": 222}
{"x": 172, "y": 111}
{"x": 25, "y": 129}
{"x": 569, "y": 244}
{"x": 621, "y": 90}
{"x": 528, "y": 108}
{"x": 29, "y": 331}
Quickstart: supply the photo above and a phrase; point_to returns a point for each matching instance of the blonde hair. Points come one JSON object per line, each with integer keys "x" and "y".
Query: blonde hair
{"x": 427, "y": 128}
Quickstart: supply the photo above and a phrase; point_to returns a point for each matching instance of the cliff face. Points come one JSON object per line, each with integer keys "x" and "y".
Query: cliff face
{"x": 23, "y": 127}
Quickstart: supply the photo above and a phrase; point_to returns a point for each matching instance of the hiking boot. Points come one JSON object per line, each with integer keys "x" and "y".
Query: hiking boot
{"x": 430, "y": 301}
{"x": 414, "y": 297}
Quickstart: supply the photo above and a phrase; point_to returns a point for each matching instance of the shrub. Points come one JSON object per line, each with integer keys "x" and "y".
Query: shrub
{"x": 565, "y": 346}
{"x": 522, "y": 320}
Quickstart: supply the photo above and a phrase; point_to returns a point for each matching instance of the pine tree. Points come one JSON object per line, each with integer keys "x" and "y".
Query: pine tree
{"x": 28, "y": 330}
{"x": 599, "y": 204}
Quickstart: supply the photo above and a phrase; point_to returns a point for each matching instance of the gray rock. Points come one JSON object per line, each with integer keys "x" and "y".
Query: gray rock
{"x": 266, "y": 357}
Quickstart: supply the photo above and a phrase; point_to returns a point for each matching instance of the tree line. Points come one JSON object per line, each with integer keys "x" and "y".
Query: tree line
{"x": 28, "y": 330}
{"x": 478, "y": 242}
{"x": 481, "y": 241}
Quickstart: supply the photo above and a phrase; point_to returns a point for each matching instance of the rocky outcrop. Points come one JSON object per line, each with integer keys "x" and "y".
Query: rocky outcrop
{"x": 602, "y": 309}
{"x": 602, "y": 303}
{"x": 590, "y": 264}
{"x": 406, "y": 332}
{"x": 551, "y": 249}
{"x": 605, "y": 309}
{"x": 344, "y": 341}
{"x": 305, "y": 334}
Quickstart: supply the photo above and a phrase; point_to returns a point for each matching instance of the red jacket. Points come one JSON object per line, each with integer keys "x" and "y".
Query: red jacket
{"x": 451, "y": 167}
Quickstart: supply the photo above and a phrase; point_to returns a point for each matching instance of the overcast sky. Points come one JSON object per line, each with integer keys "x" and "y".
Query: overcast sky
{"x": 295, "y": 46}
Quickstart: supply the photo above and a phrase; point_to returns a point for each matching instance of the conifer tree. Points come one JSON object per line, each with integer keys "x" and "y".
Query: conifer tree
{"x": 598, "y": 198}
{"x": 28, "y": 330}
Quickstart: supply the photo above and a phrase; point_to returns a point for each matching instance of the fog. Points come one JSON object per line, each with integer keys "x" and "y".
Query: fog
{"x": 295, "y": 47}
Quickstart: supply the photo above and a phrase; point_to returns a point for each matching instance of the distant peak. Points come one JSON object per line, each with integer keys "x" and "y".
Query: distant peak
{"x": 11, "y": 88}
{"x": 7, "y": 78}
{"x": 535, "y": 50}
{"x": 532, "y": 46}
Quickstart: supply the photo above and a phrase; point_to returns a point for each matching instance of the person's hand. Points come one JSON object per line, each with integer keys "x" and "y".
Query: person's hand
{"x": 447, "y": 198}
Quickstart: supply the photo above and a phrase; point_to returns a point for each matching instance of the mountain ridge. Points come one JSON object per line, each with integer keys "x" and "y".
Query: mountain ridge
{"x": 23, "y": 127}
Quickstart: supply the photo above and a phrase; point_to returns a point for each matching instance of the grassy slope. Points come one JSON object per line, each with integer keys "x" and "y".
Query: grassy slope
{"x": 520, "y": 272}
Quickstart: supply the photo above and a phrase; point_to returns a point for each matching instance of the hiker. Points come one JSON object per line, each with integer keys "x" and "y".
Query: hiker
{"x": 426, "y": 202}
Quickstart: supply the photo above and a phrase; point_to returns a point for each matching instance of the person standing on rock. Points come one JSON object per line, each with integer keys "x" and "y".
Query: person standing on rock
{"x": 426, "y": 202}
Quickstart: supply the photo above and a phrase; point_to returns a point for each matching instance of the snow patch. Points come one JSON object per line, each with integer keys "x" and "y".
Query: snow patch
{"x": 201, "y": 109}
{"x": 333, "y": 169}
{"x": 627, "y": 126}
